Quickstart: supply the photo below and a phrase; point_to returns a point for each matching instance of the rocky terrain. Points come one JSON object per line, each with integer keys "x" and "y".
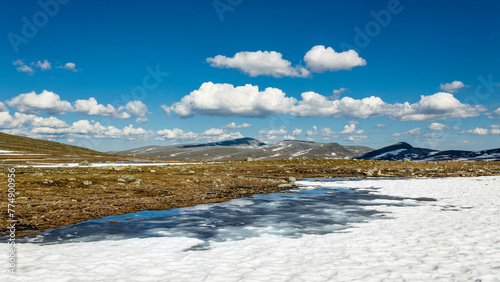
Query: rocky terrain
{"x": 242, "y": 148}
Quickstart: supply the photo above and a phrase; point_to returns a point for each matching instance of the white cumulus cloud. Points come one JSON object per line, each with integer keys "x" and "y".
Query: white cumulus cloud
{"x": 320, "y": 59}
{"x": 356, "y": 138}
{"x": 45, "y": 65}
{"x": 247, "y": 101}
{"x": 476, "y": 131}
{"x": 314, "y": 104}
{"x": 349, "y": 128}
{"x": 21, "y": 67}
{"x": 214, "y": 131}
{"x": 69, "y": 66}
{"x": 90, "y": 107}
{"x": 435, "y": 107}
{"x": 175, "y": 133}
{"x": 497, "y": 112}
{"x": 259, "y": 63}
{"x": 452, "y": 87}
{"x": 226, "y": 100}
{"x": 3, "y": 108}
{"x": 139, "y": 109}
{"x": 297, "y": 131}
{"x": 33, "y": 103}
{"x": 437, "y": 126}
{"x": 233, "y": 125}
{"x": 339, "y": 91}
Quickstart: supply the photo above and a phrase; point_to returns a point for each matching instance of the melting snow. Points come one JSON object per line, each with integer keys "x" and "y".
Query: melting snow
{"x": 454, "y": 239}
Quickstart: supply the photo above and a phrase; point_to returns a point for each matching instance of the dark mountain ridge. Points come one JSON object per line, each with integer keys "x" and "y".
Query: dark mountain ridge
{"x": 404, "y": 151}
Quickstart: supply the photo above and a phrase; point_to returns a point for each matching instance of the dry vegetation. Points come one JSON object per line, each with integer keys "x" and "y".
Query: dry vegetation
{"x": 55, "y": 197}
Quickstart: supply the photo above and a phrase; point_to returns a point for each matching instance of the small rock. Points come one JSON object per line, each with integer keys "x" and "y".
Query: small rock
{"x": 152, "y": 170}
{"x": 37, "y": 174}
{"x": 249, "y": 159}
{"x": 47, "y": 181}
{"x": 121, "y": 180}
{"x": 84, "y": 163}
{"x": 128, "y": 177}
{"x": 86, "y": 182}
{"x": 291, "y": 179}
{"x": 285, "y": 185}
{"x": 138, "y": 182}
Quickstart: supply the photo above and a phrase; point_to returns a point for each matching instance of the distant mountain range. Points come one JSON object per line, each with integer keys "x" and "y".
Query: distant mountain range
{"x": 18, "y": 149}
{"x": 242, "y": 148}
{"x": 404, "y": 151}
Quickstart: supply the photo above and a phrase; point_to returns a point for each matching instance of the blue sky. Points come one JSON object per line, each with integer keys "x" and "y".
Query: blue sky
{"x": 113, "y": 75}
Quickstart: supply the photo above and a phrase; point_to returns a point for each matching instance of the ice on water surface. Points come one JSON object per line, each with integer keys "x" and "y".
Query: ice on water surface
{"x": 315, "y": 209}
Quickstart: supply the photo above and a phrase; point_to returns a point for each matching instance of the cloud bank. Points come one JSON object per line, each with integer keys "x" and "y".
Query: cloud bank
{"x": 248, "y": 101}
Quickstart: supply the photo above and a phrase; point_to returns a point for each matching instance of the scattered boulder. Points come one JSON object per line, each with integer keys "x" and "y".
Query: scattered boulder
{"x": 47, "y": 181}
{"x": 249, "y": 159}
{"x": 86, "y": 182}
{"x": 85, "y": 163}
{"x": 291, "y": 179}
{"x": 128, "y": 177}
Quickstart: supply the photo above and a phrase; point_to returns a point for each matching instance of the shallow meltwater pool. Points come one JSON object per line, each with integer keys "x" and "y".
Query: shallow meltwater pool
{"x": 313, "y": 208}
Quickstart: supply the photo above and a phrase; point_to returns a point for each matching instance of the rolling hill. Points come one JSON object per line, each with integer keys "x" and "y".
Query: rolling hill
{"x": 242, "y": 148}
{"x": 18, "y": 149}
